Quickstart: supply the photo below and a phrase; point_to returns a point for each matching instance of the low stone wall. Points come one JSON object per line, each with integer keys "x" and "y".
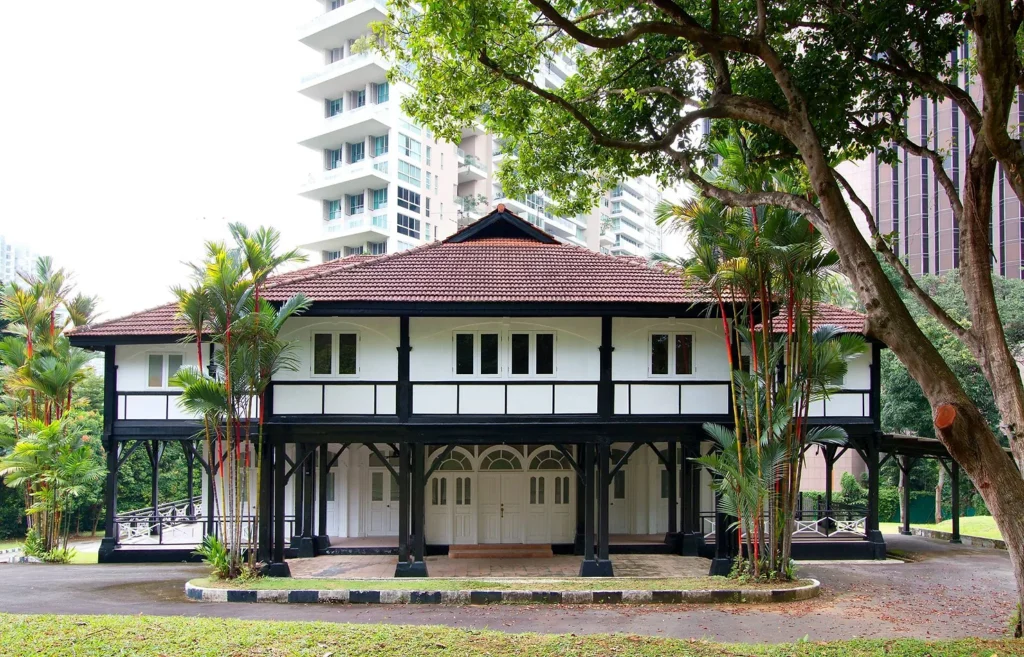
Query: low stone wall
{"x": 371, "y": 596}
{"x": 974, "y": 541}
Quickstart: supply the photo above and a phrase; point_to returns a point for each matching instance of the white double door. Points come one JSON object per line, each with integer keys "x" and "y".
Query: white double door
{"x": 451, "y": 509}
{"x": 501, "y": 507}
{"x": 383, "y": 504}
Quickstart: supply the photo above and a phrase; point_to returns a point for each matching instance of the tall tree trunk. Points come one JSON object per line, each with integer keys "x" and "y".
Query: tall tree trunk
{"x": 904, "y": 506}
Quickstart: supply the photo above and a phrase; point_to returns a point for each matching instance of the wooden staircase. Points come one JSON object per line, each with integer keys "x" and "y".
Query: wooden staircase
{"x": 500, "y": 551}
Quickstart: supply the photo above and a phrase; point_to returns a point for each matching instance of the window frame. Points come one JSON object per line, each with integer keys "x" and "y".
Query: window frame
{"x": 477, "y": 355}
{"x": 407, "y": 230}
{"x": 335, "y": 354}
{"x": 165, "y": 374}
{"x": 672, "y": 333}
{"x": 532, "y": 351}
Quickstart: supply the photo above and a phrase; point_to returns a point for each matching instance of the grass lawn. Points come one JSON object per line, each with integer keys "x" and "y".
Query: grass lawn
{"x": 454, "y": 584}
{"x": 143, "y": 636}
{"x": 6, "y": 545}
{"x": 88, "y": 556}
{"x": 980, "y": 526}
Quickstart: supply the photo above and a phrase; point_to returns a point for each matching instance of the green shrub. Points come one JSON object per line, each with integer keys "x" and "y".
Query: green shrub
{"x": 215, "y": 555}
{"x": 59, "y": 555}
{"x": 888, "y": 504}
{"x": 34, "y": 546}
{"x": 979, "y": 506}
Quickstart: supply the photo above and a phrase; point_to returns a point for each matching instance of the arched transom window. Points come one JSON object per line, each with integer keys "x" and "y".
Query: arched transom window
{"x": 501, "y": 459}
{"x": 457, "y": 462}
{"x": 549, "y": 459}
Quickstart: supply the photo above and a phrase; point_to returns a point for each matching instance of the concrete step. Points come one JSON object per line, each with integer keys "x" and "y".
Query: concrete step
{"x": 500, "y": 551}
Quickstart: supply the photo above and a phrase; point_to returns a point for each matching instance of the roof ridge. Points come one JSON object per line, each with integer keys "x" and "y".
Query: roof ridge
{"x": 318, "y": 269}
{"x": 355, "y": 265}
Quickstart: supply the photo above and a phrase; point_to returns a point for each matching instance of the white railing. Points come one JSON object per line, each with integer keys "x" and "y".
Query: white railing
{"x": 341, "y": 66}
{"x": 335, "y": 16}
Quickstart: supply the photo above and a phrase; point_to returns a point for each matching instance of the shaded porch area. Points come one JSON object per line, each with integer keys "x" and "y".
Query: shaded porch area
{"x": 559, "y": 566}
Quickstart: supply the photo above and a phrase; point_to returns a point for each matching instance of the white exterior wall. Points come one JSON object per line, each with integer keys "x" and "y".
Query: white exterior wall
{"x": 133, "y": 376}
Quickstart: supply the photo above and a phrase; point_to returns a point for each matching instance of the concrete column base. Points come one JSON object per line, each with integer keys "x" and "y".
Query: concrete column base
{"x": 596, "y": 568}
{"x": 720, "y": 567}
{"x": 690, "y": 544}
{"x": 411, "y": 569}
{"x": 307, "y": 547}
{"x": 321, "y": 543}
{"x": 279, "y": 570}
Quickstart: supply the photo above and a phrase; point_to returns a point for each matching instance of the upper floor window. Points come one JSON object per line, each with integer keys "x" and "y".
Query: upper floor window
{"x": 335, "y": 353}
{"x": 335, "y": 106}
{"x": 356, "y": 204}
{"x": 336, "y": 55}
{"x": 476, "y": 353}
{"x": 356, "y": 151}
{"x": 409, "y": 173}
{"x": 380, "y": 145}
{"x": 380, "y": 198}
{"x": 382, "y": 92}
{"x": 428, "y": 156}
{"x": 356, "y": 98}
{"x": 408, "y": 226}
{"x": 408, "y": 200}
{"x": 335, "y": 4}
{"x": 161, "y": 368}
{"x": 378, "y": 248}
{"x": 532, "y": 353}
{"x": 427, "y": 212}
{"x": 334, "y": 209}
{"x": 671, "y": 353}
{"x": 408, "y": 147}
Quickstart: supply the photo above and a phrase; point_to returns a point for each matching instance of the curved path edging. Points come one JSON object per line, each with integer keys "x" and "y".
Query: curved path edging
{"x": 975, "y": 541}
{"x": 426, "y": 596}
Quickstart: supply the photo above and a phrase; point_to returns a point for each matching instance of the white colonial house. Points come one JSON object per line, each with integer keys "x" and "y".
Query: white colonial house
{"x": 496, "y": 387}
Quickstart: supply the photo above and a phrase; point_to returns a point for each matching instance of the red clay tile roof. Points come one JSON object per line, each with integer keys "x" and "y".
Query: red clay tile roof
{"x": 505, "y": 269}
{"x": 850, "y": 321}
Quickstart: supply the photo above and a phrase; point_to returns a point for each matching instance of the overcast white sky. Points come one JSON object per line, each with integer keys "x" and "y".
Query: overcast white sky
{"x": 132, "y": 131}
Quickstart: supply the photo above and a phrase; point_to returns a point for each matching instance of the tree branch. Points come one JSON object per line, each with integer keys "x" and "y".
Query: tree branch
{"x": 940, "y": 172}
{"x": 909, "y": 282}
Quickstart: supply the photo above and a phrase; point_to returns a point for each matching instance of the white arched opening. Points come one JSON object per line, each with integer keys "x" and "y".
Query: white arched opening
{"x": 451, "y": 499}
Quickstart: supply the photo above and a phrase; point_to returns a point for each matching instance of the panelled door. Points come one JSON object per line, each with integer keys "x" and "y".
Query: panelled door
{"x": 383, "y": 503}
{"x": 549, "y": 509}
{"x": 618, "y": 503}
{"x": 501, "y": 507}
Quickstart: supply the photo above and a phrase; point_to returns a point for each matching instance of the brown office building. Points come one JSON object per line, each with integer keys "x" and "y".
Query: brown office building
{"x": 909, "y": 202}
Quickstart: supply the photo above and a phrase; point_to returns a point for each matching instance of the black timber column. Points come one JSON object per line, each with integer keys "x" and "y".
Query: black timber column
{"x": 278, "y": 566}
{"x": 672, "y": 537}
{"x": 307, "y": 546}
{"x": 905, "y": 463}
{"x": 417, "y": 564}
{"x": 297, "y": 492}
{"x": 874, "y": 470}
{"x": 581, "y": 496}
{"x": 211, "y": 497}
{"x": 589, "y": 564}
{"x": 954, "y": 486}
{"x": 264, "y": 547}
{"x": 404, "y": 465}
{"x": 830, "y": 462}
{"x": 322, "y": 540}
{"x": 605, "y": 388}
{"x": 155, "y": 451}
{"x": 109, "y": 542}
{"x": 403, "y": 403}
{"x": 875, "y": 396}
{"x": 693, "y": 536}
{"x": 725, "y": 542}
{"x": 602, "y": 565}
{"x": 190, "y": 476}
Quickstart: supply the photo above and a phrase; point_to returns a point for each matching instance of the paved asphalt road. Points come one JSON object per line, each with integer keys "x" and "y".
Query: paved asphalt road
{"x": 949, "y": 591}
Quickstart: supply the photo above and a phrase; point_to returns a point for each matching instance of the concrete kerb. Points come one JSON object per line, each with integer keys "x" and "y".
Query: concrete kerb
{"x": 479, "y": 597}
{"x": 974, "y": 541}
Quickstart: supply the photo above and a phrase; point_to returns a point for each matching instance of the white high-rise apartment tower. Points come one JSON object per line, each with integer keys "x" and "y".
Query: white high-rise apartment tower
{"x": 386, "y": 185}
{"x": 15, "y": 258}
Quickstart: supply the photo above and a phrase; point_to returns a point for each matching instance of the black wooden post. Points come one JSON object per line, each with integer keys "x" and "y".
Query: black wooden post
{"x": 211, "y": 497}
{"x": 605, "y": 387}
{"x": 954, "y": 474}
{"x": 725, "y": 542}
{"x": 875, "y": 395}
{"x": 870, "y": 454}
{"x": 589, "y": 564}
{"x": 403, "y": 402}
{"x": 278, "y": 566}
{"x": 264, "y": 548}
{"x": 905, "y": 463}
{"x": 603, "y": 457}
{"x": 404, "y": 465}
{"x": 322, "y": 540}
{"x": 672, "y": 537}
{"x": 418, "y": 565}
{"x": 307, "y": 546}
{"x": 830, "y": 461}
{"x": 581, "y": 496}
{"x": 155, "y": 450}
{"x": 110, "y": 532}
{"x": 190, "y": 461}
{"x": 297, "y": 494}
{"x": 693, "y": 532}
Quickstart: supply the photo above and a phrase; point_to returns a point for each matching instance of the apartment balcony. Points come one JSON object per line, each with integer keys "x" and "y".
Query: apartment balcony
{"x": 628, "y": 212}
{"x": 351, "y": 231}
{"x": 349, "y": 126}
{"x": 352, "y": 72}
{"x": 346, "y": 179}
{"x": 470, "y": 168}
{"x": 625, "y": 248}
{"x": 629, "y": 231}
{"x": 607, "y": 238}
{"x": 334, "y": 28}
{"x": 560, "y": 227}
